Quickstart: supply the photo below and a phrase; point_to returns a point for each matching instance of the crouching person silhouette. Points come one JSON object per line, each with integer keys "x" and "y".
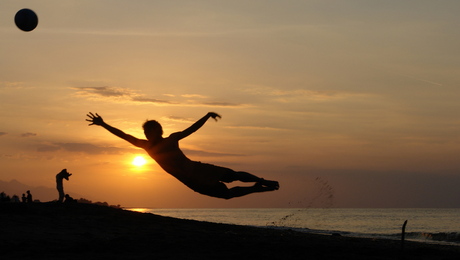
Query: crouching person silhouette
{"x": 203, "y": 178}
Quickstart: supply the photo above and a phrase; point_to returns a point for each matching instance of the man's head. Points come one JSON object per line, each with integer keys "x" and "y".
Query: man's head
{"x": 152, "y": 130}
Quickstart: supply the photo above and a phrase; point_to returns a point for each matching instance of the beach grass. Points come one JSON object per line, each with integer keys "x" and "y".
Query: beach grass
{"x": 88, "y": 231}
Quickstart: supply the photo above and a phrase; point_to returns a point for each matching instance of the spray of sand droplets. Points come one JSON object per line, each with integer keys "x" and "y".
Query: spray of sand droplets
{"x": 323, "y": 197}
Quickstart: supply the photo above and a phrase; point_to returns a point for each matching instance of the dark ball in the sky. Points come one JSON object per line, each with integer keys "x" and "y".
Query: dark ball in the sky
{"x": 26, "y": 20}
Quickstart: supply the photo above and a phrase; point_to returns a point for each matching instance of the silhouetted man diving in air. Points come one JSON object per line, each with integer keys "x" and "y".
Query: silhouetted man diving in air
{"x": 203, "y": 178}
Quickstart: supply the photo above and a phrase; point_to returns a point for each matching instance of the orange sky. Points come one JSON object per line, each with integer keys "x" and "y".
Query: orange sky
{"x": 360, "y": 94}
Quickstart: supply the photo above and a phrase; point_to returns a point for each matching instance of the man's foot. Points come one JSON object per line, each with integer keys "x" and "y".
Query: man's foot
{"x": 270, "y": 184}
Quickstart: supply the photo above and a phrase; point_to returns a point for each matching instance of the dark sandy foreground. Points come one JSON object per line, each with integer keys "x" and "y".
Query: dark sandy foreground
{"x": 86, "y": 231}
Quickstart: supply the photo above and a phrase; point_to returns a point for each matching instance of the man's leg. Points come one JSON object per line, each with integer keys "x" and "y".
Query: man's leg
{"x": 228, "y": 175}
{"x": 247, "y": 177}
{"x": 220, "y": 190}
{"x": 242, "y": 191}
{"x": 61, "y": 193}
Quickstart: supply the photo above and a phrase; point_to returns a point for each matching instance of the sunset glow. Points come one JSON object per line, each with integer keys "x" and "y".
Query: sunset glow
{"x": 362, "y": 95}
{"x": 139, "y": 161}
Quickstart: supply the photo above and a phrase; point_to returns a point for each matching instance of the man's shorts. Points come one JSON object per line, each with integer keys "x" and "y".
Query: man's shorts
{"x": 207, "y": 179}
{"x": 212, "y": 173}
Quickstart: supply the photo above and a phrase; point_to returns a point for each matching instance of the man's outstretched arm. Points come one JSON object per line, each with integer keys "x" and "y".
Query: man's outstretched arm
{"x": 198, "y": 124}
{"x": 95, "y": 119}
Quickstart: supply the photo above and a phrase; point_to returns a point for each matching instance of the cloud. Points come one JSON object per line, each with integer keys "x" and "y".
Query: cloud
{"x": 28, "y": 134}
{"x": 259, "y": 128}
{"x": 179, "y": 119}
{"x": 95, "y": 150}
{"x": 299, "y": 95}
{"x": 207, "y": 154}
{"x": 193, "y": 96}
{"x": 422, "y": 80}
{"x": 80, "y": 148}
{"x": 10, "y": 84}
{"x": 151, "y": 100}
{"x": 115, "y": 94}
{"x": 3, "y": 133}
{"x": 107, "y": 92}
{"x": 48, "y": 148}
{"x": 309, "y": 94}
{"x": 221, "y": 104}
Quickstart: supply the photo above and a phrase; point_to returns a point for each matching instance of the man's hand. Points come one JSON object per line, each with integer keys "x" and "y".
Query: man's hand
{"x": 95, "y": 119}
{"x": 214, "y": 116}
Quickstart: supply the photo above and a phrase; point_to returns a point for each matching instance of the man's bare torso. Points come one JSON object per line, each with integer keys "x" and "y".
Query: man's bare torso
{"x": 169, "y": 156}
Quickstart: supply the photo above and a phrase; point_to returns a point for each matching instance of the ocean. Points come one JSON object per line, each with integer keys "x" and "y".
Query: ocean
{"x": 423, "y": 225}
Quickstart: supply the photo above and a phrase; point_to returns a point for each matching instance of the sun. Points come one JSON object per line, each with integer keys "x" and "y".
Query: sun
{"x": 139, "y": 161}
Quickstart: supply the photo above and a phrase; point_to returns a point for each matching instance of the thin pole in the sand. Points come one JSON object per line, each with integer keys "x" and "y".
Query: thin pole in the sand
{"x": 403, "y": 235}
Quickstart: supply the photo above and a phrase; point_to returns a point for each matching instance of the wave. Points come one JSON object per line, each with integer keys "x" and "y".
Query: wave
{"x": 424, "y": 224}
{"x": 452, "y": 238}
{"x": 441, "y": 236}
{"x": 444, "y": 237}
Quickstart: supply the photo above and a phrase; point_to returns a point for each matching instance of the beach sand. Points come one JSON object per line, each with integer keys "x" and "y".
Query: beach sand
{"x": 87, "y": 231}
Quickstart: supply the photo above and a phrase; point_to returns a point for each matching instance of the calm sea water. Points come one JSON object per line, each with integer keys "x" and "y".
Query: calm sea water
{"x": 427, "y": 225}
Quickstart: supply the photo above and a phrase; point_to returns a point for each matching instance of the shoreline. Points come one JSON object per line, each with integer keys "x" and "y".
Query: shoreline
{"x": 257, "y": 217}
{"x": 77, "y": 231}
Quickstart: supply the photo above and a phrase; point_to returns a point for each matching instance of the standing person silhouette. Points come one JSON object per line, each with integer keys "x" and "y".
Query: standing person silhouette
{"x": 203, "y": 178}
{"x": 29, "y": 197}
{"x": 64, "y": 174}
